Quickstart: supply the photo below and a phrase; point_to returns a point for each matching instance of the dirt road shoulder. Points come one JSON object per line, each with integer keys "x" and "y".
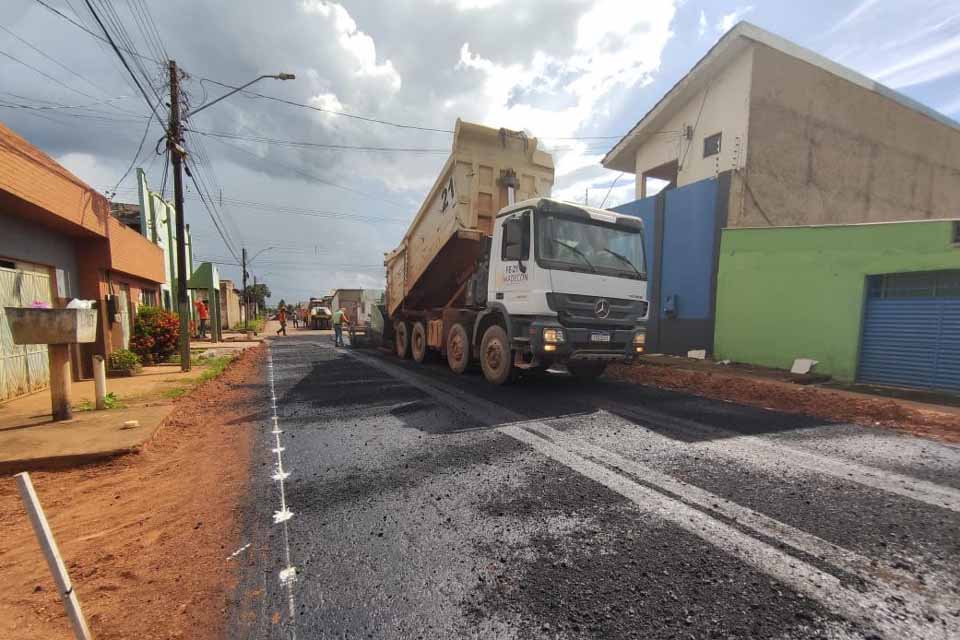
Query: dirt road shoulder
{"x": 146, "y": 537}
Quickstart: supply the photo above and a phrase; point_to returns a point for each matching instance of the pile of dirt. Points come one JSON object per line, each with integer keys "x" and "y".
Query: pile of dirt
{"x": 788, "y": 397}
{"x": 145, "y": 537}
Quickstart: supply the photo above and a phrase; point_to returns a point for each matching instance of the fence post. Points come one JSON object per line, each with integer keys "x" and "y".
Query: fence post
{"x": 49, "y": 546}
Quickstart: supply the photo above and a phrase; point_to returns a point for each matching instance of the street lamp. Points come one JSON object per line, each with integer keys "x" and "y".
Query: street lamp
{"x": 278, "y": 76}
{"x": 177, "y": 158}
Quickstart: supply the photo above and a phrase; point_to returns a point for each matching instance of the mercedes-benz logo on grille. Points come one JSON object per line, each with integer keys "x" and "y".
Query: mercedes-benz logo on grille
{"x": 602, "y": 308}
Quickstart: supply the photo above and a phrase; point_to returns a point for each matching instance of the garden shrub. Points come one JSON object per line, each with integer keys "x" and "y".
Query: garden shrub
{"x": 156, "y": 334}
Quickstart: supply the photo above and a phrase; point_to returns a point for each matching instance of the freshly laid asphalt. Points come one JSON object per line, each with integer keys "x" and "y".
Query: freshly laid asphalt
{"x": 430, "y": 505}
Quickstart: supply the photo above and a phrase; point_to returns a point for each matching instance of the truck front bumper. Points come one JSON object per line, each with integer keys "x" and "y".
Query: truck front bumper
{"x": 584, "y": 343}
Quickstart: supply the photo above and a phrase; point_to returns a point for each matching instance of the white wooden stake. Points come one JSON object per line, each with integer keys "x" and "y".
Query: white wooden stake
{"x": 45, "y": 537}
{"x": 100, "y": 381}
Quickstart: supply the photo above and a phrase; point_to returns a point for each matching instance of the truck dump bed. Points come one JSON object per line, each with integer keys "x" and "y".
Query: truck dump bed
{"x": 440, "y": 249}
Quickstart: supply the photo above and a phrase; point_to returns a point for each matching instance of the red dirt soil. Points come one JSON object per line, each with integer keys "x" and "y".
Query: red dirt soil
{"x": 145, "y": 537}
{"x": 789, "y": 397}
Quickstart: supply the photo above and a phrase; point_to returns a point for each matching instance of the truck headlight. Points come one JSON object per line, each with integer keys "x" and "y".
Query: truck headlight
{"x": 553, "y": 335}
{"x": 639, "y": 342}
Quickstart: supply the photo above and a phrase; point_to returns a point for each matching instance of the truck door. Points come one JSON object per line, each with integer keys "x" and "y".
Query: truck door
{"x": 512, "y": 269}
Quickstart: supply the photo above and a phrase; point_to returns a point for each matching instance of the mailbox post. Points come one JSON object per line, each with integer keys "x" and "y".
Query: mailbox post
{"x": 58, "y": 329}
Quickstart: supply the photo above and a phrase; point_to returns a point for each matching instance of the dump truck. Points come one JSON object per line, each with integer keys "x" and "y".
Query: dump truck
{"x": 494, "y": 270}
{"x": 319, "y": 313}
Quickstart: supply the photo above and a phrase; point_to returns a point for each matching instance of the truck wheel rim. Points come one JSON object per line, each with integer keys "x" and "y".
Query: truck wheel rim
{"x": 495, "y": 355}
{"x": 456, "y": 347}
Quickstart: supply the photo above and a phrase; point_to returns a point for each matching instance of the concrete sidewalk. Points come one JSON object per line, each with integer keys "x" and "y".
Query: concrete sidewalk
{"x": 30, "y": 440}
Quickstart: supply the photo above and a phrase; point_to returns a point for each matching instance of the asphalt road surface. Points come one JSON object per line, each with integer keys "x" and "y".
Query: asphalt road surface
{"x": 420, "y": 504}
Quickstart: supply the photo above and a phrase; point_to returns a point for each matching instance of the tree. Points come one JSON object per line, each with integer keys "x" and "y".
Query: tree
{"x": 258, "y": 293}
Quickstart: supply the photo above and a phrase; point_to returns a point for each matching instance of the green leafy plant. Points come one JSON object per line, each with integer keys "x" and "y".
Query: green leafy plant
{"x": 156, "y": 334}
{"x": 123, "y": 360}
{"x": 110, "y": 401}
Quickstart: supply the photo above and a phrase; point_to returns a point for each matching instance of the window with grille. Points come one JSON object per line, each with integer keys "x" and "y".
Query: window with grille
{"x": 711, "y": 145}
{"x": 922, "y": 284}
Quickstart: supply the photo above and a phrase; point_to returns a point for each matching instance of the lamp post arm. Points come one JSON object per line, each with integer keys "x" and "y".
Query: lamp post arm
{"x": 280, "y": 76}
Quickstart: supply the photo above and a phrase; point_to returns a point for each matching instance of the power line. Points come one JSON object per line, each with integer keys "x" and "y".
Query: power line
{"x": 47, "y": 75}
{"x": 330, "y": 111}
{"x": 312, "y": 177}
{"x": 212, "y": 217}
{"x": 332, "y": 147}
{"x": 125, "y": 64}
{"x": 134, "y": 160}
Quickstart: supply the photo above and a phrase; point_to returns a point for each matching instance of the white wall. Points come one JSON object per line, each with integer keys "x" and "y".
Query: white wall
{"x": 725, "y": 110}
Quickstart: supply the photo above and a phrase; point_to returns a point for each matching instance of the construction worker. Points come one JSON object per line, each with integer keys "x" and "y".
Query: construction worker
{"x": 339, "y": 319}
{"x": 282, "y": 317}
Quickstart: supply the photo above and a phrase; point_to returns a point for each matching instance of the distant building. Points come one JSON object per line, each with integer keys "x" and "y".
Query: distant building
{"x": 231, "y": 308}
{"x": 158, "y": 223}
{"x": 58, "y": 241}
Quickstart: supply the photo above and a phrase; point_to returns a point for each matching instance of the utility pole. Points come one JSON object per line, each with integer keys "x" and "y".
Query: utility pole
{"x": 176, "y": 155}
{"x": 246, "y": 294}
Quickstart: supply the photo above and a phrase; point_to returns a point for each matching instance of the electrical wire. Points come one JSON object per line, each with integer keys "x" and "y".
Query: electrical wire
{"x": 312, "y": 177}
{"x": 113, "y": 192}
{"x": 125, "y": 64}
{"x": 212, "y": 217}
{"x": 611, "y": 189}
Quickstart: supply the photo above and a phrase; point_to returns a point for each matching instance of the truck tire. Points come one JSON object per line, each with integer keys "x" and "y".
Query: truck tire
{"x": 587, "y": 371}
{"x": 496, "y": 357}
{"x": 458, "y": 348}
{"x": 418, "y": 341}
{"x": 402, "y": 331}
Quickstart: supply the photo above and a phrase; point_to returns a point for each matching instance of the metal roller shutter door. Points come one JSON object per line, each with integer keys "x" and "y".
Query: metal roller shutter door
{"x": 911, "y": 331}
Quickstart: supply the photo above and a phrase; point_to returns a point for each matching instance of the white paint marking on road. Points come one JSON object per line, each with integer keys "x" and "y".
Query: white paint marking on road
{"x": 282, "y": 517}
{"x": 896, "y": 583}
{"x": 238, "y": 551}
{"x": 727, "y": 442}
{"x": 869, "y": 609}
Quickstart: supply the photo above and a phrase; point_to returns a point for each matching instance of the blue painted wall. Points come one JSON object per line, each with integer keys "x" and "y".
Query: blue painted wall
{"x": 689, "y": 249}
{"x": 681, "y": 245}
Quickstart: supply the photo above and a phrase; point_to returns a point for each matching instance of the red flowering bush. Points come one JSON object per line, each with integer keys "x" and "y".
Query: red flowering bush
{"x": 156, "y": 334}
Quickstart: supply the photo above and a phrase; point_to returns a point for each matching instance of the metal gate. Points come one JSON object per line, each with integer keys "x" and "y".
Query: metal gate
{"x": 23, "y": 368}
{"x": 911, "y": 331}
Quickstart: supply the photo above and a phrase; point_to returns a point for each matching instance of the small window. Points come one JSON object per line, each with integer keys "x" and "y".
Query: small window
{"x": 956, "y": 233}
{"x": 711, "y": 145}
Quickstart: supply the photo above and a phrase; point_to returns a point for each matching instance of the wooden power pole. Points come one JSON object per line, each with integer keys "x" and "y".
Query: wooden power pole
{"x": 174, "y": 143}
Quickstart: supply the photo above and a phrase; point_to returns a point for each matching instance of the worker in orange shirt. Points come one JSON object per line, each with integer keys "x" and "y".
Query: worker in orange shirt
{"x": 203, "y": 313}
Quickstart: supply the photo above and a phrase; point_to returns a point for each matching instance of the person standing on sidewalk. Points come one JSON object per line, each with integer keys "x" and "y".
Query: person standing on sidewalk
{"x": 339, "y": 319}
{"x": 282, "y": 317}
{"x": 203, "y": 314}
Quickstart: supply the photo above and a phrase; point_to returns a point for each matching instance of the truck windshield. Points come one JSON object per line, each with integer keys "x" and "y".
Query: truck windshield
{"x": 588, "y": 245}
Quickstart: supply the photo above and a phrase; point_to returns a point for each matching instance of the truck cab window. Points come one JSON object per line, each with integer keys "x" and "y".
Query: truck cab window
{"x": 516, "y": 238}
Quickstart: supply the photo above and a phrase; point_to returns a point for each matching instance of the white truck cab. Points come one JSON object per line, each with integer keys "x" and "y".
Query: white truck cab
{"x": 571, "y": 282}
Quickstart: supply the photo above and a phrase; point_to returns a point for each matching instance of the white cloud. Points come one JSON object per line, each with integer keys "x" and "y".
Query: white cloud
{"x": 702, "y": 24}
{"x": 854, "y": 14}
{"x": 89, "y": 169}
{"x": 617, "y": 47}
{"x": 928, "y": 64}
{"x": 471, "y": 5}
{"x": 729, "y": 20}
{"x": 355, "y": 43}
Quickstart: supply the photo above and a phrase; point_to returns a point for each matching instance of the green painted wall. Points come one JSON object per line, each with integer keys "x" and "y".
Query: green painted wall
{"x": 792, "y": 292}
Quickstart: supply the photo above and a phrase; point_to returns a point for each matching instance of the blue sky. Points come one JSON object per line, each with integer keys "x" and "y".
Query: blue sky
{"x": 557, "y": 68}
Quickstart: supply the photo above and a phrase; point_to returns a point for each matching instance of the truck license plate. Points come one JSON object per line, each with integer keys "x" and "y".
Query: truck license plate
{"x": 599, "y": 336}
